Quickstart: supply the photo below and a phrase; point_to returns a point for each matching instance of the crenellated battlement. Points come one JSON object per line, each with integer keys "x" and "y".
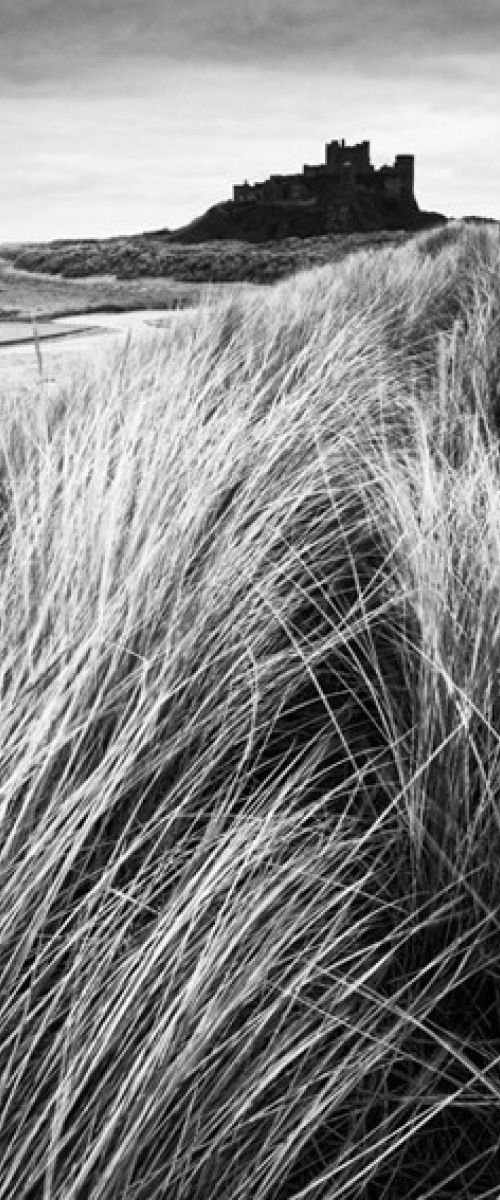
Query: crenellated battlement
{"x": 347, "y": 170}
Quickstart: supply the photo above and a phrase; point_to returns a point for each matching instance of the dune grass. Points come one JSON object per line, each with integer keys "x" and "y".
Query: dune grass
{"x": 250, "y": 830}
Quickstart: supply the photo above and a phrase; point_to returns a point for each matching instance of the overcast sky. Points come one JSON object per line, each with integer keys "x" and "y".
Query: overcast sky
{"x": 123, "y": 115}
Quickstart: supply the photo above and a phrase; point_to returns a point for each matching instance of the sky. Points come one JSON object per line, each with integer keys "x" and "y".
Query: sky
{"x": 119, "y": 116}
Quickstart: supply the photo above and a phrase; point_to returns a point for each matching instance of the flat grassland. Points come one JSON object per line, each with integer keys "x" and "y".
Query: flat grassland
{"x": 250, "y": 747}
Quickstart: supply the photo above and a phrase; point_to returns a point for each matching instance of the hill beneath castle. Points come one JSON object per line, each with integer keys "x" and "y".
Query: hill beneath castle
{"x": 266, "y": 221}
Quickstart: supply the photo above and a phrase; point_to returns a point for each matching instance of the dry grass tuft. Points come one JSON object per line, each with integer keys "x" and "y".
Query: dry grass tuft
{"x": 249, "y": 734}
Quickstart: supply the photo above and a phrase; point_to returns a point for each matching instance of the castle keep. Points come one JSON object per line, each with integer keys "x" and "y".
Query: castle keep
{"x": 347, "y": 171}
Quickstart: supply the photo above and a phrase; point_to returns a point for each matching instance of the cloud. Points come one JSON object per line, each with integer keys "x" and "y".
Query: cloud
{"x": 92, "y": 166}
{"x": 49, "y": 40}
{"x": 133, "y": 113}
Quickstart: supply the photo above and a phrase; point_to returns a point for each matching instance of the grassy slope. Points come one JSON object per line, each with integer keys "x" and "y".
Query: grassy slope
{"x": 250, "y": 750}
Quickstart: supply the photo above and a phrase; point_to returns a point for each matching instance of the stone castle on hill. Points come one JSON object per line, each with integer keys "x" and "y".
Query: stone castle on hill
{"x": 346, "y": 173}
{"x": 344, "y": 194}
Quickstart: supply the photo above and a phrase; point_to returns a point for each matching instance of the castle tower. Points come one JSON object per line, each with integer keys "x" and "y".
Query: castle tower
{"x": 339, "y": 156}
{"x": 405, "y": 168}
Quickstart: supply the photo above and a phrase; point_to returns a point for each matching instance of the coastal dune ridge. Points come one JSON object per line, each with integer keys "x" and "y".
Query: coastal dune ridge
{"x": 249, "y": 744}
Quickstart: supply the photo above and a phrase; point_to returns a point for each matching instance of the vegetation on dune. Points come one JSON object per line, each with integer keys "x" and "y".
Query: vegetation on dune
{"x": 158, "y": 255}
{"x": 250, "y": 749}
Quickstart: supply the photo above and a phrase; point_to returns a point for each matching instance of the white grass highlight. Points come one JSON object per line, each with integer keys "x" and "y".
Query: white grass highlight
{"x": 249, "y": 734}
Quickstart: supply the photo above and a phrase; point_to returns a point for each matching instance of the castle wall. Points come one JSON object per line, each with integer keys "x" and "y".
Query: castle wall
{"x": 405, "y": 169}
{"x": 393, "y": 186}
{"x": 242, "y": 192}
{"x": 346, "y": 169}
{"x": 312, "y": 172}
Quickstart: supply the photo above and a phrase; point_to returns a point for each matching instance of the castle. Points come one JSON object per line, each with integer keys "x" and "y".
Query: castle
{"x": 346, "y": 172}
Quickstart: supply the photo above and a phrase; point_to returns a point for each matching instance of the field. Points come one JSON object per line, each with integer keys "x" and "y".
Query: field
{"x": 250, "y": 747}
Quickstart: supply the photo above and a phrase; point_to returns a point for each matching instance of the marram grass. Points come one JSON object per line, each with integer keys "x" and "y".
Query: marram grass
{"x": 250, "y": 751}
